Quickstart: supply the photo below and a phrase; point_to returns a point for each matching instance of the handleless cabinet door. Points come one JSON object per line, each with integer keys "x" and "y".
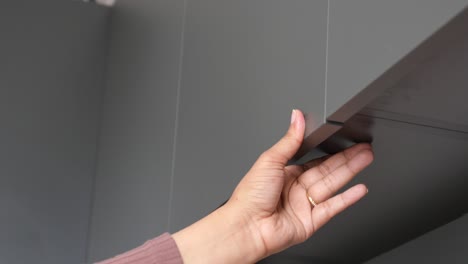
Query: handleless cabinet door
{"x": 372, "y": 44}
{"x": 246, "y": 64}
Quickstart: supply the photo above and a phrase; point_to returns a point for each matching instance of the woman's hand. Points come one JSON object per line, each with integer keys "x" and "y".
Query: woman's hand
{"x": 274, "y": 197}
{"x": 270, "y": 209}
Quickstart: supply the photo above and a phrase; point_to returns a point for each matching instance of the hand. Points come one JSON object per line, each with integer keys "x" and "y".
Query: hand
{"x": 273, "y": 197}
{"x": 269, "y": 210}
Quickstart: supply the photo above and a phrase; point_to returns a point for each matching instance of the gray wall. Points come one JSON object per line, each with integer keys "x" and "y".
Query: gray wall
{"x": 135, "y": 158}
{"x": 51, "y": 74}
{"x": 446, "y": 244}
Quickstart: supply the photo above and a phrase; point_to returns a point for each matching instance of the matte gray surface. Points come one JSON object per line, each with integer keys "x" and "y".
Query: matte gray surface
{"x": 416, "y": 183}
{"x": 433, "y": 95}
{"x": 418, "y": 180}
{"x": 246, "y": 65}
{"x": 446, "y": 244}
{"x": 51, "y": 75}
{"x": 135, "y": 159}
{"x": 367, "y": 37}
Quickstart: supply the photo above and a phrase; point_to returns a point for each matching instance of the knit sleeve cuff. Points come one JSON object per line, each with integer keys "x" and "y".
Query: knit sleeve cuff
{"x": 160, "y": 250}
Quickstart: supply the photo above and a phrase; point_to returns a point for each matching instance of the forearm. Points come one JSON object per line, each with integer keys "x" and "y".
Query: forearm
{"x": 221, "y": 237}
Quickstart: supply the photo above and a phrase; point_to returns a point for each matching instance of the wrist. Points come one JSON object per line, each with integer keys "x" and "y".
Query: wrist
{"x": 224, "y": 236}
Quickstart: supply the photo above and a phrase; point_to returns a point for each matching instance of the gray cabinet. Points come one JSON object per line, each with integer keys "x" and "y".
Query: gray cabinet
{"x": 225, "y": 76}
{"x": 167, "y": 107}
{"x": 373, "y": 44}
{"x": 245, "y": 66}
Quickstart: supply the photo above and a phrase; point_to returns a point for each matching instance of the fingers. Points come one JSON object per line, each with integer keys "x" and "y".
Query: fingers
{"x": 297, "y": 170}
{"x": 319, "y": 170}
{"x": 315, "y": 162}
{"x": 286, "y": 147}
{"x": 342, "y": 157}
{"x": 334, "y": 180}
{"x": 325, "y": 211}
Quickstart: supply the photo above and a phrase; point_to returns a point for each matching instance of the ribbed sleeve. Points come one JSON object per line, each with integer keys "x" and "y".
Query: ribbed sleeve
{"x": 160, "y": 250}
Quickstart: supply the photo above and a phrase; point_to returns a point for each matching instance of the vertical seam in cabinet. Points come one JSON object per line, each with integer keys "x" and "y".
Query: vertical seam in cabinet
{"x": 99, "y": 129}
{"x": 176, "y": 121}
{"x": 326, "y": 63}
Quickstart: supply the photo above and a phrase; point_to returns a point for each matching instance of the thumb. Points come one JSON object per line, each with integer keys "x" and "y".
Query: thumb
{"x": 286, "y": 147}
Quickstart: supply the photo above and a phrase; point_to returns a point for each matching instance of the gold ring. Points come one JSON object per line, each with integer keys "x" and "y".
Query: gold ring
{"x": 312, "y": 201}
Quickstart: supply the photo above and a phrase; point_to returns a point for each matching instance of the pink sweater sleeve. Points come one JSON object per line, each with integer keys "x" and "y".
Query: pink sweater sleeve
{"x": 160, "y": 250}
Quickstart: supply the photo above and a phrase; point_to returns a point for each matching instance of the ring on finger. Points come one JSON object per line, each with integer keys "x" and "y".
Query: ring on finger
{"x": 314, "y": 204}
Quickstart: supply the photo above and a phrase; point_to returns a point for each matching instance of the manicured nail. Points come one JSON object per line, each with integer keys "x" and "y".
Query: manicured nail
{"x": 293, "y": 115}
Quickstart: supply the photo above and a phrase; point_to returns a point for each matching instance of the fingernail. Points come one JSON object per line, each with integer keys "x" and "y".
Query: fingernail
{"x": 293, "y": 116}
{"x": 367, "y": 190}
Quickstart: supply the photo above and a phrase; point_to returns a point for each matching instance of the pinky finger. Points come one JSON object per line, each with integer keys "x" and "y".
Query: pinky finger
{"x": 325, "y": 211}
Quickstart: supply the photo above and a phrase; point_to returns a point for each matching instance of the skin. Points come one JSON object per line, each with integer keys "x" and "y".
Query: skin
{"x": 269, "y": 210}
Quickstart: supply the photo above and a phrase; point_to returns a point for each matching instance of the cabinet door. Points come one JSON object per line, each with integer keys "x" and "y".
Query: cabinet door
{"x": 52, "y": 56}
{"x": 133, "y": 174}
{"x": 246, "y": 65}
{"x": 368, "y": 38}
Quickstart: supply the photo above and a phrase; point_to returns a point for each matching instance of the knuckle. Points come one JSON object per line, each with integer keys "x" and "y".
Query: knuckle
{"x": 268, "y": 156}
{"x": 328, "y": 183}
{"x": 264, "y": 156}
{"x": 346, "y": 155}
{"x": 350, "y": 170}
{"x": 324, "y": 169}
{"x": 272, "y": 158}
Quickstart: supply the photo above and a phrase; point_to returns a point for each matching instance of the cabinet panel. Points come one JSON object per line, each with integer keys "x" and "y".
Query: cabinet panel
{"x": 246, "y": 65}
{"x": 367, "y": 37}
{"x": 446, "y": 244}
{"x": 51, "y": 75}
{"x": 131, "y": 201}
{"x": 417, "y": 173}
{"x": 432, "y": 95}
